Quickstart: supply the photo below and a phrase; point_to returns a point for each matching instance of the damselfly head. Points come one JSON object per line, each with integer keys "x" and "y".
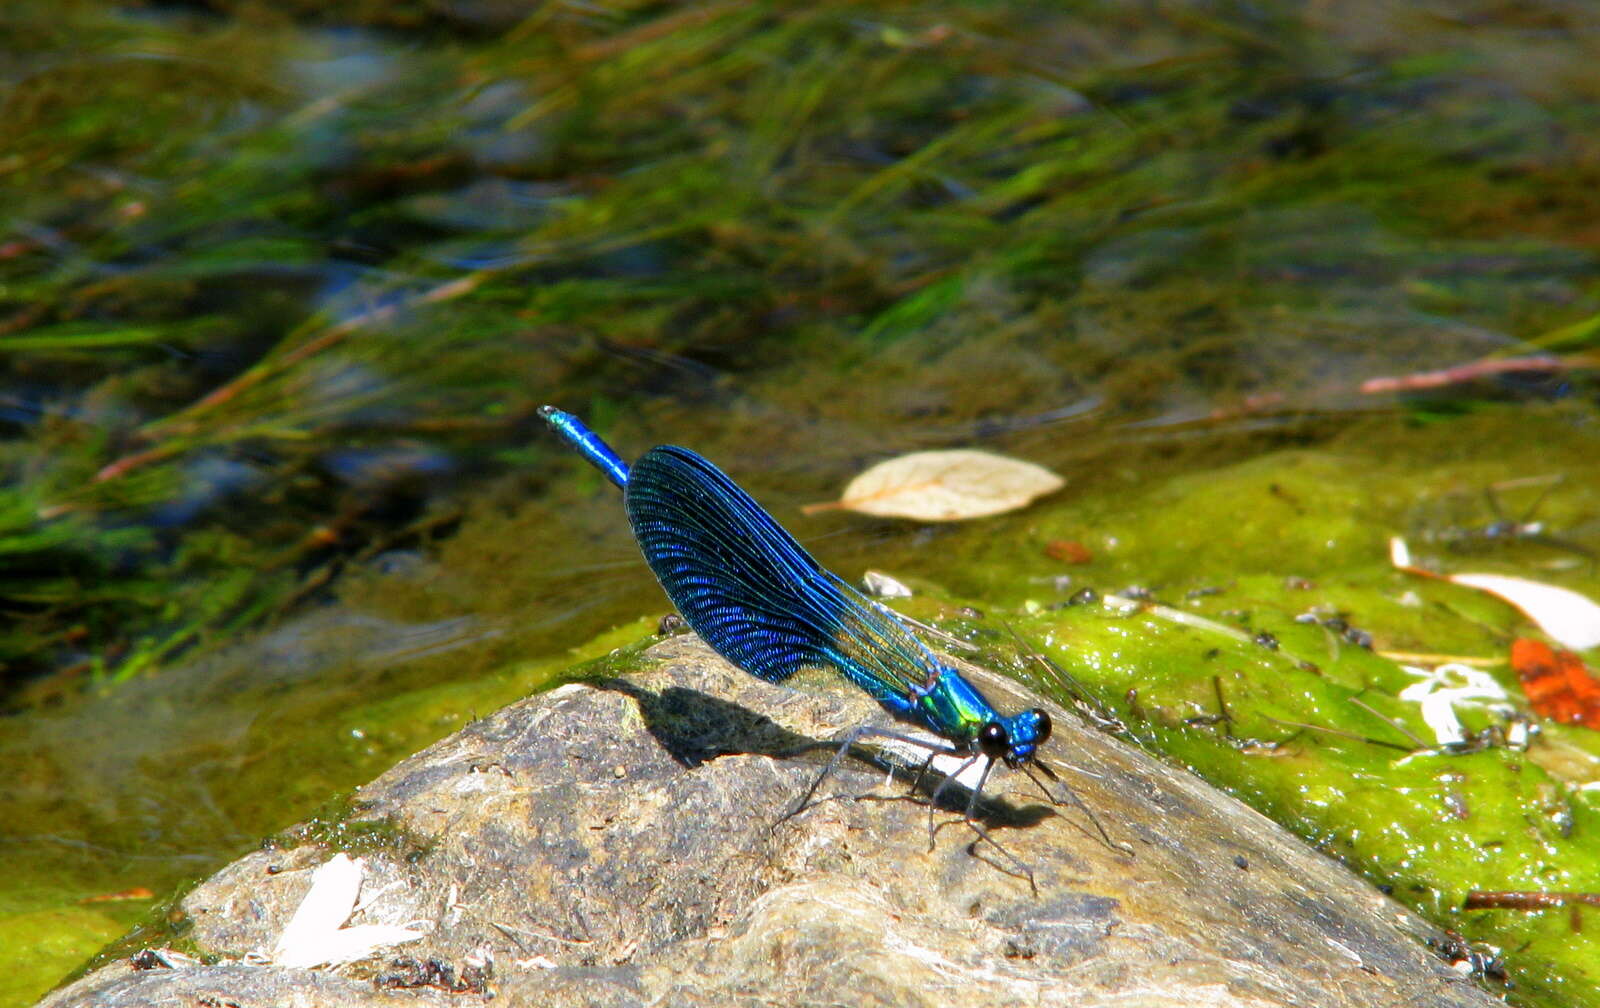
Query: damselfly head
{"x": 1015, "y": 738}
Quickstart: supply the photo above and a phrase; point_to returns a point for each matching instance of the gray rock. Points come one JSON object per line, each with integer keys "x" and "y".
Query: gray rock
{"x": 624, "y": 842}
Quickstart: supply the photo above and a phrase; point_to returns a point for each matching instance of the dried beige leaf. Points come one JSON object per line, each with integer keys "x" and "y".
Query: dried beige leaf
{"x": 945, "y": 486}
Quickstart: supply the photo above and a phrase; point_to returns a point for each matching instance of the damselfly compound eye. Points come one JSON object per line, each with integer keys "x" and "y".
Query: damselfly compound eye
{"x": 993, "y": 740}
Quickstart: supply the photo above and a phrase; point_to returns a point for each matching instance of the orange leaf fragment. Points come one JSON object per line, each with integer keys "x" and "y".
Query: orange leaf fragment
{"x": 136, "y": 893}
{"x": 1557, "y": 683}
{"x": 1068, "y": 551}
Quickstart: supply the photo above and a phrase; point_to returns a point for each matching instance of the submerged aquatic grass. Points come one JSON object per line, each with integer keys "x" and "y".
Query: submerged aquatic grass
{"x": 313, "y": 239}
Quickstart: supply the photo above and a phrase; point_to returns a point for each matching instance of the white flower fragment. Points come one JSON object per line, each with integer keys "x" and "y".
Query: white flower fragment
{"x": 1400, "y": 554}
{"x": 316, "y": 935}
{"x": 1439, "y": 691}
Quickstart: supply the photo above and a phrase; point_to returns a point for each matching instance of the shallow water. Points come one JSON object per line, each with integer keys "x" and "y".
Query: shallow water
{"x": 283, "y": 299}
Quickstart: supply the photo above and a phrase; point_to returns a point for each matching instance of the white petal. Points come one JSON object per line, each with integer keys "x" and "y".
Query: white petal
{"x": 335, "y": 886}
{"x": 1572, "y": 619}
{"x": 349, "y": 944}
{"x": 316, "y": 935}
{"x": 1399, "y": 552}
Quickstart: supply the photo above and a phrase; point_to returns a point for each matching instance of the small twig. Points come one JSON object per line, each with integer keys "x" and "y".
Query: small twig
{"x": 1461, "y": 373}
{"x": 1492, "y": 899}
{"x": 1338, "y": 731}
{"x": 1391, "y": 722}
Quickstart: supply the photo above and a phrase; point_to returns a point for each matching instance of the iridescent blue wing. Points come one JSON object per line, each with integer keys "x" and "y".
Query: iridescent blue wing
{"x": 753, "y": 592}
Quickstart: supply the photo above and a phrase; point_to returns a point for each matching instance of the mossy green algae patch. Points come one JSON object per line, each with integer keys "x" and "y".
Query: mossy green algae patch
{"x": 1252, "y": 666}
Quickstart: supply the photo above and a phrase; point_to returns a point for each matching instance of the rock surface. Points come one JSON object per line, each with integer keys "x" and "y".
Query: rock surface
{"x": 623, "y": 842}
